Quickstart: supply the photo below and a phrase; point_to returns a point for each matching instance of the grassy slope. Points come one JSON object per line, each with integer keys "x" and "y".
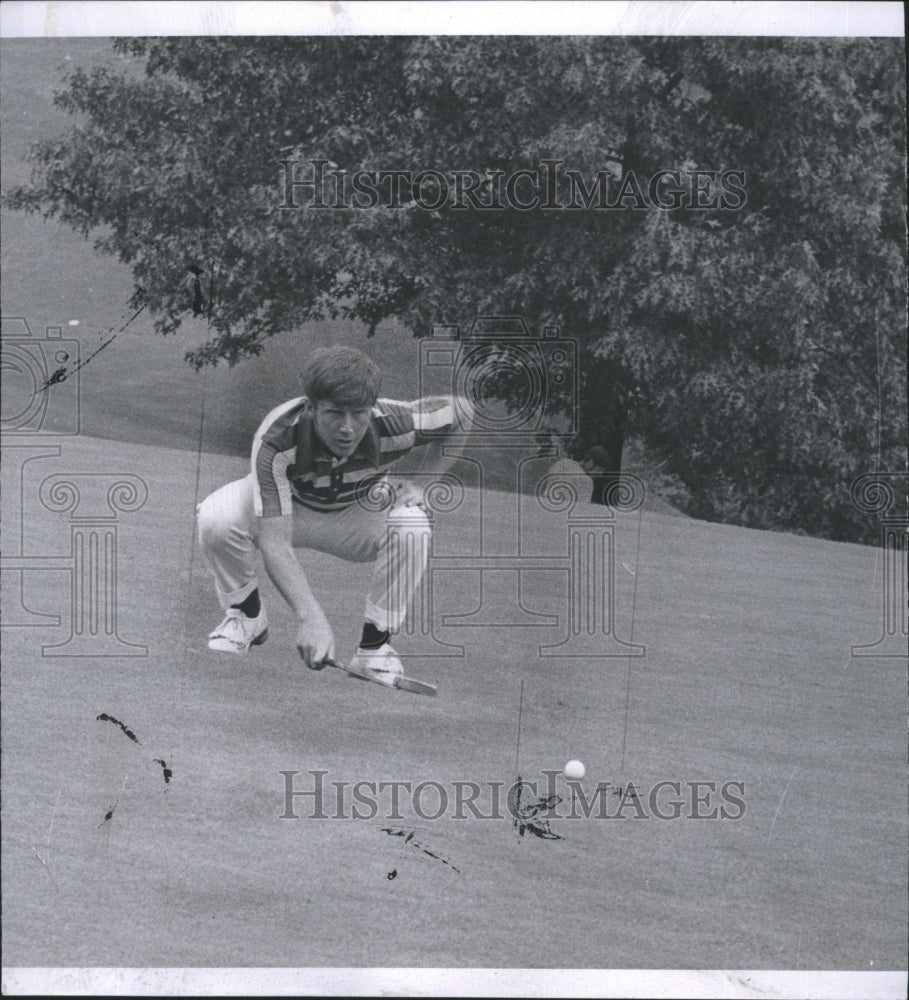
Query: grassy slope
{"x": 747, "y": 677}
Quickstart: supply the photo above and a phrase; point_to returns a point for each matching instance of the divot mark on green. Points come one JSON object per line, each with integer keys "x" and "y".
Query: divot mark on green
{"x": 104, "y": 717}
{"x": 409, "y": 838}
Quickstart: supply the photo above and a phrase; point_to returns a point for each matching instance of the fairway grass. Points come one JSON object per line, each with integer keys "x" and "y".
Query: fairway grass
{"x": 747, "y": 678}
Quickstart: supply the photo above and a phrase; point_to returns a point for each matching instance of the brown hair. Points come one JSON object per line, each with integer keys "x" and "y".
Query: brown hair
{"x": 341, "y": 375}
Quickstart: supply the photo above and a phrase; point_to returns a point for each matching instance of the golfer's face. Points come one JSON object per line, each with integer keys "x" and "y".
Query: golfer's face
{"x": 340, "y": 428}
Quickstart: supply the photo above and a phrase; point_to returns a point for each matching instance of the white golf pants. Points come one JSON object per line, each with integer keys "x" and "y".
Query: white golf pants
{"x": 396, "y": 540}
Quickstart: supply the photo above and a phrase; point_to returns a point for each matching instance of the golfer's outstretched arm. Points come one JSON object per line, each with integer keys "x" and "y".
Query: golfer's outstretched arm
{"x": 315, "y": 641}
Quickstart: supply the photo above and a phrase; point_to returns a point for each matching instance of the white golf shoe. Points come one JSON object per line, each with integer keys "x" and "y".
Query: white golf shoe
{"x": 381, "y": 664}
{"x": 237, "y": 632}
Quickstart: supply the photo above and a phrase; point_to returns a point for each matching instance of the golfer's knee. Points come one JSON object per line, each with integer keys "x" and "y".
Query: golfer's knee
{"x": 214, "y": 524}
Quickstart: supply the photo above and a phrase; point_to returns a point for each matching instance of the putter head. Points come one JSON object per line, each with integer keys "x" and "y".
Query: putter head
{"x": 417, "y": 687}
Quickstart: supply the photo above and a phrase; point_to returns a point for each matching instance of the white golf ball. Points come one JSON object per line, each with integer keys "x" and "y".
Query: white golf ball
{"x": 575, "y": 769}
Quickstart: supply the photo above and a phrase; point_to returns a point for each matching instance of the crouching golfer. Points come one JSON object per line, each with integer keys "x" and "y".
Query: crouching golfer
{"x": 313, "y": 459}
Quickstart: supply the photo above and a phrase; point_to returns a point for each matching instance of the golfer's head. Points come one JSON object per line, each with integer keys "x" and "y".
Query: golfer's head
{"x": 342, "y": 385}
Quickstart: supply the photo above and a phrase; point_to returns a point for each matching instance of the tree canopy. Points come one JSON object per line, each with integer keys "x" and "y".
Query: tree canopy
{"x": 754, "y": 335}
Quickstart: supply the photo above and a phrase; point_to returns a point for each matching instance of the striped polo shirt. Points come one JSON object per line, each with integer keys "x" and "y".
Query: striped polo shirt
{"x": 290, "y": 463}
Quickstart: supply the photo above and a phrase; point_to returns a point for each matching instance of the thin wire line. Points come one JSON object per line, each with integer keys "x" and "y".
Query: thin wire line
{"x": 877, "y": 351}
{"x": 517, "y": 750}
{"x": 634, "y": 601}
{"x": 516, "y": 824}
{"x": 199, "y": 443}
{"x": 192, "y": 541}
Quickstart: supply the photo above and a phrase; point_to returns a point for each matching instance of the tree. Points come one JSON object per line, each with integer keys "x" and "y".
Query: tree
{"x": 758, "y": 347}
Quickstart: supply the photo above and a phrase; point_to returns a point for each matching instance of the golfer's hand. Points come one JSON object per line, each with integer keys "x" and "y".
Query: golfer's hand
{"x": 315, "y": 642}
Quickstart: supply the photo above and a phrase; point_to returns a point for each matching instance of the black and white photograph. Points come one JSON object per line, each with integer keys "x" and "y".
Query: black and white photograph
{"x": 454, "y": 499}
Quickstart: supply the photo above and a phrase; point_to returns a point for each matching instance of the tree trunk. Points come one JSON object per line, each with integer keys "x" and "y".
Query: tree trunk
{"x": 606, "y": 454}
{"x": 603, "y": 421}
